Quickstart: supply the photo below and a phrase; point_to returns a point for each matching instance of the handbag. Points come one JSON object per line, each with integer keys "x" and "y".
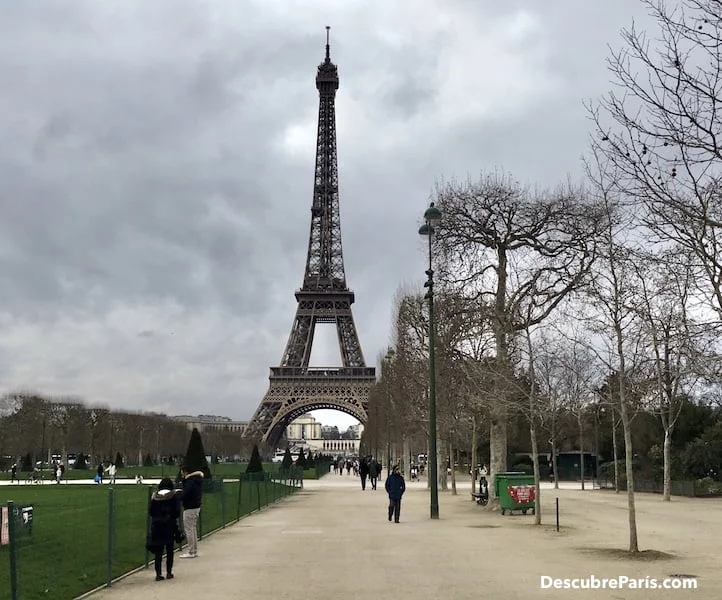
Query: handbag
{"x": 150, "y": 546}
{"x": 180, "y": 535}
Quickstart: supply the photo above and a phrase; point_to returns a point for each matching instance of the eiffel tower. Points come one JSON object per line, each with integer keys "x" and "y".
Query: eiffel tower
{"x": 295, "y": 388}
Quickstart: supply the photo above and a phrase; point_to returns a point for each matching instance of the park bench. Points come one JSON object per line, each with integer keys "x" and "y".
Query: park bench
{"x": 480, "y": 498}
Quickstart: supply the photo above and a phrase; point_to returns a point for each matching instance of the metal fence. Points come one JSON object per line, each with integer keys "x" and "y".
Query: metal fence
{"x": 62, "y": 541}
{"x": 690, "y": 488}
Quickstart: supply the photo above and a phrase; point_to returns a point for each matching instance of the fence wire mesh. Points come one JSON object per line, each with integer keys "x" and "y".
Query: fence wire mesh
{"x": 69, "y": 539}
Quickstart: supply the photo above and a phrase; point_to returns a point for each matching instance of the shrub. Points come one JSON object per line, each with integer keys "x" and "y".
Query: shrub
{"x": 81, "y": 462}
{"x": 287, "y": 461}
{"x": 118, "y": 461}
{"x": 301, "y": 460}
{"x": 195, "y": 458}
{"x": 27, "y": 463}
{"x": 148, "y": 461}
{"x": 707, "y": 485}
{"x": 254, "y": 464}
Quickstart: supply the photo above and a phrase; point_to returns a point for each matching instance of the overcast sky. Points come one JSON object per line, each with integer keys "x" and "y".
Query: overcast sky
{"x": 156, "y": 169}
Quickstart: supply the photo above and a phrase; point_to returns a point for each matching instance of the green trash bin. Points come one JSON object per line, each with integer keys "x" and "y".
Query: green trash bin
{"x": 515, "y": 491}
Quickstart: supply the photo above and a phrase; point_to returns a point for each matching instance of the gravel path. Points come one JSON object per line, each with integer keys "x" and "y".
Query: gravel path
{"x": 332, "y": 541}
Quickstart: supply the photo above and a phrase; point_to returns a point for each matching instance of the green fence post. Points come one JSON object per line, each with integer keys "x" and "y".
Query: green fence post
{"x": 147, "y": 528}
{"x": 200, "y": 524}
{"x": 258, "y": 493}
{"x": 13, "y": 564}
{"x": 223, "y": 506}
{"x": 109, "y": 576}
{"x": 238, "y": 507}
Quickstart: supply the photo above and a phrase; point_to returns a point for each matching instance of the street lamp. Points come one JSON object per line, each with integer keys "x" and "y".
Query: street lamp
{"x": 387, "y": 374}
{"x": 432, "y": 216}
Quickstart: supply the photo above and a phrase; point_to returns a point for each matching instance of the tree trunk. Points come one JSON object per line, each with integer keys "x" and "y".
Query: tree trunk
{"x": 426, "y": 468}
{"x": 473, "y": 455}
{"x": 628, "y": 455}
{"x": 406, "y": 453}
{"x": 441, "y": 467}
{"x": 616, "y": 453}
{"x": 498, "y": 413}
{"x": 453, "y": 470}
{"x": 535, "y": 459}
{"x": 497, "y": 451}
{"x": 667, "y": 495}
{"x": 555, "y": 467}
{"x": 140, "y": 448}
{"x": 596, "y": 448}
{"x": 581, "y": 447}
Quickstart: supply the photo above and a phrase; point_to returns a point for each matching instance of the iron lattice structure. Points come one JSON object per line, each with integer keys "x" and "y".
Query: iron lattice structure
{"x": 295, "y": 388}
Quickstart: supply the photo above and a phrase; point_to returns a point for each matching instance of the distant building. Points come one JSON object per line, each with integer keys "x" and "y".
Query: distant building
{"x": 308, "y": 434}
{"x": 306, "y": 427}
{"x": 212, "y": 423}
{"x": 353, "y": 432}
{"x": 330, "y": 432}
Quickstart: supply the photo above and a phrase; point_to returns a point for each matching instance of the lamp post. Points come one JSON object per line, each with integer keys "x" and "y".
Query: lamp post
{"x": 387, "y": 373}
{"x": 432, "y": 216}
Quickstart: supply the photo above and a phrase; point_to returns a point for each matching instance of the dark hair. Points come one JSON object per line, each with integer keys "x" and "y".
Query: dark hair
{"x": 166, "y": 484}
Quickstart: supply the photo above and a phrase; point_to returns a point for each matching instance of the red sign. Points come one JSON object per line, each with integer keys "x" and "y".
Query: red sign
{"x": 522, "y": 494}
{"x": 4, "y": 527}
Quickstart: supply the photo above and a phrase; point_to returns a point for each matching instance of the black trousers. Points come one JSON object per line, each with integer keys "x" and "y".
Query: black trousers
{"x": 394, "y": 509}
{"x": 372, "y": 479}
{"x": 363, "y": 481}
{"x": 168, "y": 559}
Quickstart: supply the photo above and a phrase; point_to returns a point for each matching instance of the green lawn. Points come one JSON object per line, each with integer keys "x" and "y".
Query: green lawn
{"x": 67, "y": 552}
{"x": 220, "y": 470}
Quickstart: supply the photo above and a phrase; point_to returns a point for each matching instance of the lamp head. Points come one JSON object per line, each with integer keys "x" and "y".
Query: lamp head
{"x": 426, "y": 229}
{"x": 432, "y": 215}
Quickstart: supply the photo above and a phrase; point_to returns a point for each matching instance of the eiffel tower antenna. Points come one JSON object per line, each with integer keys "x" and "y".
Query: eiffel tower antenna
{"x": 295, "y": 388}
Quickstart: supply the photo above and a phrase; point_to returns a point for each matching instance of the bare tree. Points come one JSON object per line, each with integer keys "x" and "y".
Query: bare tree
{"x": 549, "y": 373}
{"x": 612, "y": 315}
{"x": 577, "y": 383}
{"x": 680, "y": 347}
{"x": 63, "y": 414}
{"x": 520, "y": 252}
{"x": 662, "y": 130}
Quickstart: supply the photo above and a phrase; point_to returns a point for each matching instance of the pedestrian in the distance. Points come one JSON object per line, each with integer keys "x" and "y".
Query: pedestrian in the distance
{"x": 395, "y": 488}
{"x": 164, "y": 511}
{"x": 111, "y": 470}
{"x": 14, "y": 473}
{"x": 373, "y": 472}
{"x": 363, "y": 470}
{"x": 192, "y": 498}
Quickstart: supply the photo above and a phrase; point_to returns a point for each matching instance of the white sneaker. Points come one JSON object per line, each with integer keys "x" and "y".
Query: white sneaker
{"x": 187, "y": 556}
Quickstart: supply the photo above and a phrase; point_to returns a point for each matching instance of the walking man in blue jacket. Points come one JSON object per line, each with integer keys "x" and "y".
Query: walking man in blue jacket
{"x": 395, "y": 488}
{"x": 192, "y": 496}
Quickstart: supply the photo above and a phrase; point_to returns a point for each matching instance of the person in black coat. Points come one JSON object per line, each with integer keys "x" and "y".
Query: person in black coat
{"x": 363, "y": 471}
{"x": 164, "y": 510}
{"x": 373, "y": 472}
{"x": 395, "y": 488}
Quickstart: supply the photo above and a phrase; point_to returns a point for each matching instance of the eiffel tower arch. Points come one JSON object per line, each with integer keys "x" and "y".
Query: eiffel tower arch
{"x": 295, "y": 388}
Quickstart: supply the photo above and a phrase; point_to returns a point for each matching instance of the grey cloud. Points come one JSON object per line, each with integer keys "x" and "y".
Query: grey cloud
{"x": 154, "y": 224}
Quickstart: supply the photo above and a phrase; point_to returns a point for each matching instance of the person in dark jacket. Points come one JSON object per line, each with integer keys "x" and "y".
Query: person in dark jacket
{"x": 363, "y": 471}
{"x": 373, "y": 472}
{"x": 192, "y": 498}
{"x": 164, "y": 510}
{"x": 395, "y": 488}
